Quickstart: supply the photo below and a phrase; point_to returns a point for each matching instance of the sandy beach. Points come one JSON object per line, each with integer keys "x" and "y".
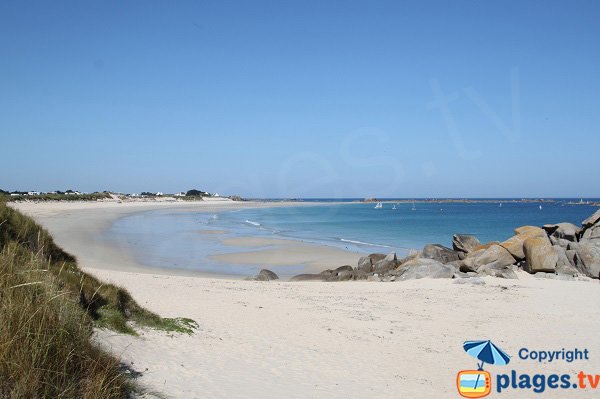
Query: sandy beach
{"x": 78, "y": 228}
{"x": 315, "y": 339}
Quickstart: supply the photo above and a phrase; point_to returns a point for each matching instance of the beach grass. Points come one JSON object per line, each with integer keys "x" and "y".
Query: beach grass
{"x": 48, "y": 309}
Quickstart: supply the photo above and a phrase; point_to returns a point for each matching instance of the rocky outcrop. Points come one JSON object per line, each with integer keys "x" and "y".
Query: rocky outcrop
{"x": 266, "y": 275}
{"x": 365, "y": 264}
{"x": 565, "y": 231}
{"x": 440, "y": 253}
{"x": 559, "y": 251}
{"x": 587, "y": 259}
{"x": 498, "y": 271}
{"x": 386, "y": 264}
{"x": 464, "y": 242}
{"x": 592, "y": 220}
{"x": 540, "y": 255}
{"x": 495, "y": 257}
{"x": 514, "y": 245}
{"x": 342, "y": 273}
{"x": 563, "y": 264}
{"x": 486, "y": 245}
{"x": 424, "y": 268}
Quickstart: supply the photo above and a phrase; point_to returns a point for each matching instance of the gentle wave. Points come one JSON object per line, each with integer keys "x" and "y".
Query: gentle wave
{"x": 252, "y": 223}
{"x": 364, "y": 243}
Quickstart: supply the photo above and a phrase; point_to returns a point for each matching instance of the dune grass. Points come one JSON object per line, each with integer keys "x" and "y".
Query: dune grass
{"x": 48, "y": 308}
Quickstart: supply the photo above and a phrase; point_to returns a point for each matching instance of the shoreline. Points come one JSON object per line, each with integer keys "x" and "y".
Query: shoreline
{"x": 79, "y": 227}
{"x": 409, "y": 334}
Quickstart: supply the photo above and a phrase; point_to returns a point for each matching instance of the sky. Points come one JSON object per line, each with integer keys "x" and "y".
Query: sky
{"x": 302, "y": 98}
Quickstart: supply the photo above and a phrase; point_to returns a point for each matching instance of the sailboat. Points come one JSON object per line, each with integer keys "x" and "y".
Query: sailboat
{"x": 540, "y": 207}
{"x": 379, "y": 205}
{"x": 500, "y": 206}
{"x": 394, "y": 207}
{"x": 413, "y": 208}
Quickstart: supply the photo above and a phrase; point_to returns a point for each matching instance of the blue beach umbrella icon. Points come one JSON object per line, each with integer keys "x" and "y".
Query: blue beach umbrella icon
{"x": 487, "y": 352}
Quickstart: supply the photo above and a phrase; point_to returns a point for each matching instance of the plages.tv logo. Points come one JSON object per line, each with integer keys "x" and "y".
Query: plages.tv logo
{"x": 478, "y": 383}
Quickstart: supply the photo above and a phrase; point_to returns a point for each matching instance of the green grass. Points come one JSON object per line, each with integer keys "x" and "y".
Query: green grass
{"x": 48, "y": 308}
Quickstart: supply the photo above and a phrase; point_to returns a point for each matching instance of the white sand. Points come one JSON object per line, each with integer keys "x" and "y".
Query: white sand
{"x": 340, "y": 340}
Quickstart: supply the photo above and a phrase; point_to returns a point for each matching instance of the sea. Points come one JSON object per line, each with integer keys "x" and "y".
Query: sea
{"x": 185, "y": 240}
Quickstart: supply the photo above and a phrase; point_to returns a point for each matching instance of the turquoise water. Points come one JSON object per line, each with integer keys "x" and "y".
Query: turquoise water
{"x": 174, "y": 239}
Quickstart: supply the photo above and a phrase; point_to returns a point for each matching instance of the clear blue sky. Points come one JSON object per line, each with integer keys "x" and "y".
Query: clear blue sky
{"x": 302, "y": 98}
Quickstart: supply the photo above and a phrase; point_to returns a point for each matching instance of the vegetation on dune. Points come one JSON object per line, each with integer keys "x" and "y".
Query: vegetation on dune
{"x": 48, "y": 307}
{"x": 56, "y": 197}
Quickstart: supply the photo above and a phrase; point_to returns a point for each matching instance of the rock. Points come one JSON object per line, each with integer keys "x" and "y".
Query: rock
{"x": 376, "y": 257}
{"x": 540, "y": 255}
{"x": 497, "y": 271}
{"x": 440, "y": 253}
{"x": 374, "y": 277}
{"x": 486, "y": 245}
{"x": 563, "y": 264}
{"x": 531, "y": 231}
{"x": 561, "y": 242}
{"x": 365, "y": 264}
{"x": 591, "y": 233}
{"x": 386, "y": 264}
{"x": 424, "y": 268}
{"x": 307, "y": 277}
{"x": 266, "y": 275}
{"x": 588, "y": 259}
{"x": 360, "y": 275}
{"x": 464, "y": 242}
{"x": 571, "y": 256}
{"x": 514, "y": 245}
{"x": 566, "y": 231}
{"x": 342, "y": 273}
{"x": 495, "y": 256}
{"x": 473, "y": 281}
{"x": 592, "y": 220}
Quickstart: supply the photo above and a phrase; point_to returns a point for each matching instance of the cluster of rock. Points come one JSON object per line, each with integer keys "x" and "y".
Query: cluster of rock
{"x": 560, "y": 250}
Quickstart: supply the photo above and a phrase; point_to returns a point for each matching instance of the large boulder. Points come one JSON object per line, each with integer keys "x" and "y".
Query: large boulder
{"x": 365, "y": 264}
{"x": 424, "y": 268}
{"x": 592, "y": 220}
{"x": 386, "y": 264}
{"x": 342, "y": 273}
{"x": 563, "y": 264}
{"x": 464, "y": 242}
{"x": 587, "y": 259}
{"x": 440, "y": 253}
{"x": 486, "y": 245}
{"x": 566, "y": 231}
{"x": 266, "y": 275}
{"x": 514, "y": 244}
{"x": 591, "y": 233}
{"x": 494, "y": 256}
{"x": 540, "y": 255}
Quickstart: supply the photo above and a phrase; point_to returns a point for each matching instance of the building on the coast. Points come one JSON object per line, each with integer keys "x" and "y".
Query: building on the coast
{"x": 181, "y": 194}
{"x": 159, "y": 194}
